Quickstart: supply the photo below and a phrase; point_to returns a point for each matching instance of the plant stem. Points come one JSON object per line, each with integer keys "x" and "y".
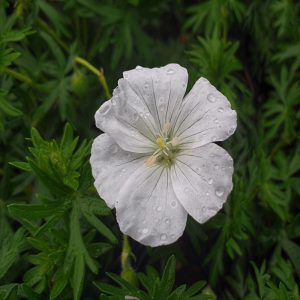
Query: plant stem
{"x": 98, "y": 73}
{"x": 24, "y": 78}
{"x": 128, "y": 272}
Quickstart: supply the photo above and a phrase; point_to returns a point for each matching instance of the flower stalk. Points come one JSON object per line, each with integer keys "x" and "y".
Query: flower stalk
{"x": 97, "y": 72}
{"x": 128, "y": 272}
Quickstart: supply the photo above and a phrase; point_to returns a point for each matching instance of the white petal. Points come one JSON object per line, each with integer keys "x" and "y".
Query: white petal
{"x": 205, "y": 116}
{"x": 111, "y": 167}
{"x": 202, "y": 180}
{"x": 157, "y": 92}
{"x": 128, "y": 136}
{"x": 148, "y": 209}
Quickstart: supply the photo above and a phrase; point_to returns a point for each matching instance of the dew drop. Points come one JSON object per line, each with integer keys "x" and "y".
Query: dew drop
{"x": 197, "y": 170}
{"x": 221, "y": 109}
{"x": 220, "y": 191}
{"x": 167, "y": 221}
{"x": 145, "y": 230}
{"x": 114, "y": 149}
{"x": 231, "y": 130}
{"x": 211, "y": 98}
{"x": 173, "y": 203}
{"x": 139, "y": 68}
{"x": 217, "y": 167}
{"x": 159, "y": 208}
{"x": 210, "y": 180}
{"x": 163, "y": 237}
{"x": 170, "y": 72}
{"x": 216, "y": 121}
{"x": 135, "y": 117}
{"x": 146, "y": 85}
{"x": 161, "y": 100}
{"x": 162, "y": 107}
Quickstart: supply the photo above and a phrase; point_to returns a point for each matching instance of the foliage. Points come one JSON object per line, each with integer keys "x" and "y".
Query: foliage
{"x": 57, "y": 59}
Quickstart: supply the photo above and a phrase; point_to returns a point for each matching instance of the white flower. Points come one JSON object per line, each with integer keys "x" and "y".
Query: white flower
{"x": 156, "y": 161}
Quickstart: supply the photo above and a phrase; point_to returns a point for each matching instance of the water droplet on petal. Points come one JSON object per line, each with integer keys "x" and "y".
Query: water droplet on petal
{"x": 221, "y": 109}
{"x": 216, "y": 121}
{"x": 231, "y": 130}
{"x": 173, "y": 203}
{"x": 135, "y": 117}
{"x": 207, "y": 194}
{"x": 161, "y": 100}
{"x": 159, "y": 208}
{"x": 220, "y": 191}
{"x": 170, "y": 72}
{"x": 145, "y": 230}
{"x": 211, "y": 98}
{"x": 139, "y": 68}
{"x": 146, "y": 85}
{"x": 162, "y": 107}
{"x": 163, "y": 237}
{"x": 217, "y": 167}
{"x": 114, "y": 149}
{"x": 167, "y": 221}
{"x": 210, "y": 180}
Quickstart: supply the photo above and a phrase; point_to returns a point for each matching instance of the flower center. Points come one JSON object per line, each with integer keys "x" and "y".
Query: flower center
{"x": 166, "y": 151}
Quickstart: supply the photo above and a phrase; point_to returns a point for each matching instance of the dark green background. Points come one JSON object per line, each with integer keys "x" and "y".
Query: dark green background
{"x": 56, "y": 238}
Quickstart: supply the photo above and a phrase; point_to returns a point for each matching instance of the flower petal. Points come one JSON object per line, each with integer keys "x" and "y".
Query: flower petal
{"x": 148, "y": 209}
{"x": 125, "y": 134}
{"x": 202, "y": 180}
{"x": 111, "y": 167}
{"x": 155, "y": 93}
{"x": 205, "y": 116}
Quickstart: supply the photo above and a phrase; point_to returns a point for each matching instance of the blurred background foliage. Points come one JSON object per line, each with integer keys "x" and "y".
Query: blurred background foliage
{"x": 58, "y": 240}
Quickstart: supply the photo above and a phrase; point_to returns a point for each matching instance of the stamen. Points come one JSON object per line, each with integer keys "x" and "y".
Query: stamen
{"x": 151, "y": 160}
{"x": 161, "y": 142}
{"x": 167, "y": 128}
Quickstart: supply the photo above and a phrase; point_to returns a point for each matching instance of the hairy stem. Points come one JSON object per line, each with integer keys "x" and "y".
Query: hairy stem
{"x": 98, "y": 73}
{"x": 128, "y": 272}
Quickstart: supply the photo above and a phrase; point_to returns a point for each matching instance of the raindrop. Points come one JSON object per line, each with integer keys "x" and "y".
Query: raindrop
{"x": 170, "y": 72}
{"x": 197, "y": 170}
{"x": 187, "y": 190}
{"x": 210, "y": 180}
{"x": 145, "y": 230}
{"x": 173, "y": 203}
{"x": 139, "y": 68}
{"x": 163, "y": 237}
{"x": 217, "y": 167}
{"x": 162, "y": 107}
{"x": 114, "y": 149}
{"x": 220, "y": 191}
{"x": 135, "y": 117}
{"x": 211, "y": 98}
{"x": 216, "y": 121}
{"x": 146, "y": 85}
{"x": 159, "y": 208}
{"x": 221, "y": 109}
{"x": 231, "y": 130}
{"x": 167, "y": 221}
{"x": 161, "y": 100}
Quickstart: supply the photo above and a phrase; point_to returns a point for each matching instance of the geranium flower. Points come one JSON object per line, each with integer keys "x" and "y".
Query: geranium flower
{"x": 156, "y": 162}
